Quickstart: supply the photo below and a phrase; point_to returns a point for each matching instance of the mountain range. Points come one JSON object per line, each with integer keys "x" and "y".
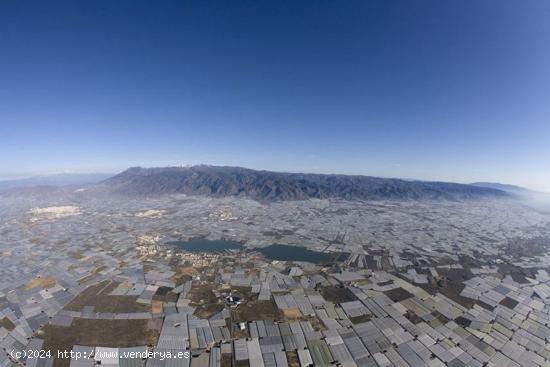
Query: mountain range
{"x": 219, "y": 181}
{"x": 265, "y": 186}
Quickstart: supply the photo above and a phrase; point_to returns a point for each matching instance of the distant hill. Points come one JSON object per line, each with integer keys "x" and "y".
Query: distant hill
{"x": 503, "y": 187}
{"x": 56, "y": 180}
{"x": 277, "y": 186}
{"x": 535, "y": 199}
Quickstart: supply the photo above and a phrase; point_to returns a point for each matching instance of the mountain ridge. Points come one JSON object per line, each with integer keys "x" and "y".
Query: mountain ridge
{"x": 503, "y": 187}
{"x": 268, "y": 186}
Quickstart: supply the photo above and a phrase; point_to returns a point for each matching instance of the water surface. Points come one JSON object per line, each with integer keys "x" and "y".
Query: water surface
{"x": 203, "y": 245}
{"x": 295, "y": 253}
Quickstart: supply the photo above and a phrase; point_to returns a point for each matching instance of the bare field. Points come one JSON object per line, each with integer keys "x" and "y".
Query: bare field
{"x": 98, "y": 297}
{"x": 108, "y": 333}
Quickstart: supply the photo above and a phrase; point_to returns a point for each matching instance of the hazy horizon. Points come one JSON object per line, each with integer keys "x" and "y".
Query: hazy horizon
{"x": 422, "y": 90}
{"x": 115, "y": 172}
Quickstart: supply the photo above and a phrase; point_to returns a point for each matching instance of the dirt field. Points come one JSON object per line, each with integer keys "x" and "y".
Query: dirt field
{"x": 360, "y": 319}
{"x": 226, "y": 360}
{"x": 450, "y": 284}
{"x": 7, "y": 324}
{"x": 518, "y": 274}
{"x": 107, "y": 333}
{"x": 243, "y": 292}
{"x": 398, "y": 294}
{"x": 292, "y": 358}
{"x": 291, "y": 314}
{"x": 165, "y": 294}
{"x": 206, "y": 302}
{"x": 92, "y": 275}
{"x": 98, "y": 296}
{"x": 183, "y": 274}
{"x": 256, "y": 310}
{"x": 156, "y": 307}
{"x": 337, "y": 295}
{"x": 46, "y": 283}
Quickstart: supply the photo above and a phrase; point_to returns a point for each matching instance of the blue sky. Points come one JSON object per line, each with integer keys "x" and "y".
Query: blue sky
{"x": 446, "y": 90}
